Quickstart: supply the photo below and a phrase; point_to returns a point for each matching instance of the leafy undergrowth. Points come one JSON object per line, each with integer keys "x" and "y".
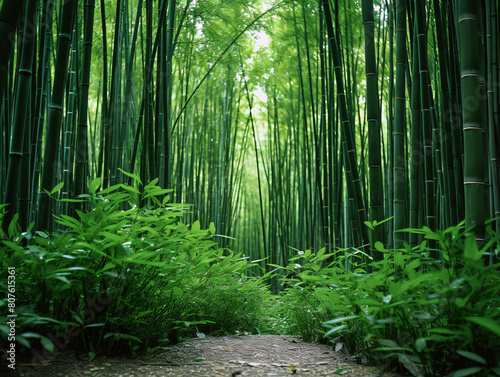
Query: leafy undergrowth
{"x": 428, "y": 317}
{"x": 123, "y": 277}
{"x": 129, "y": 275}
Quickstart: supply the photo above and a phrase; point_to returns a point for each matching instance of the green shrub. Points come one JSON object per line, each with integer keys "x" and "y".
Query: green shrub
{"x": 125, "y": 276}
{"x": 436, "y": 317}
{"x": 300, "y": 309}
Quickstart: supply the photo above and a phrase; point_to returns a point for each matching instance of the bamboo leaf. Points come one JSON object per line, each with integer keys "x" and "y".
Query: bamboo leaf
{"x": 211, "y": 228}
{"x": 131, "y": 175}
{"x": 369, "y": 225}
{"x": 94, "y": 185}
{"x": 47, "y": 344}
{"x": 486, "y": 322}
{"x": 196, "y": 226}
{"x": 466, "y": 372}
{"x": 380, "y": 247}
{"x": 472, "y": 356}
{"x": 420, "y": 344}
{"x": 341, "y": 319}
{"x": 333, "y": 330}
{"x": 107, "y": 267}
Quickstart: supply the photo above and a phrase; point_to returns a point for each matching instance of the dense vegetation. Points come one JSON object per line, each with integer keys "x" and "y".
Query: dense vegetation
{"x": 172, "y": 168}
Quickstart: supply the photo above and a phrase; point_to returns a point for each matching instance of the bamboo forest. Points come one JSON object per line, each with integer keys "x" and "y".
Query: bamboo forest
{"x": 325, "y": 169}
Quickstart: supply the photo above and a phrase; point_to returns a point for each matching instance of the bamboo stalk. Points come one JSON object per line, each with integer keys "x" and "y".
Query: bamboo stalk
{"x": 476, "y": 208}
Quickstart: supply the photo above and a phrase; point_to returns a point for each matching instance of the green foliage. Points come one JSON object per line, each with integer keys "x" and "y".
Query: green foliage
{"x": 436, "y": 317}
{"x": 124, "y": 276}
{"x": 302, "y": 306}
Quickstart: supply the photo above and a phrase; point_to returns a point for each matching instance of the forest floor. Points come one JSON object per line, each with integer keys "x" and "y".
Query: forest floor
{"x": 245, "y": 355}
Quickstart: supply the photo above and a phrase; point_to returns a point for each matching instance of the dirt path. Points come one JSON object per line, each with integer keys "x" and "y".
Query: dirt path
{"x": 249, "y": 355}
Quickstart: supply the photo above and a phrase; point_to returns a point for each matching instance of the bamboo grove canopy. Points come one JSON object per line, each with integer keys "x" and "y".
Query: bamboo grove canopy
{"x": 289, "y": 124}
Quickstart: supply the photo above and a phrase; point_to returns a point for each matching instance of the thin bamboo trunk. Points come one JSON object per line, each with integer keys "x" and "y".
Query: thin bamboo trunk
{"x": 81, "y": 152}
{"x": 373, "y": 113}
{"x": 20, "y": 122}
{"x": 9, "y": 14}
{"x": 399, "y": 136}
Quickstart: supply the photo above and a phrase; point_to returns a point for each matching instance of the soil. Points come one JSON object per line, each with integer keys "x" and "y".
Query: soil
{"x": 246, "y": 355}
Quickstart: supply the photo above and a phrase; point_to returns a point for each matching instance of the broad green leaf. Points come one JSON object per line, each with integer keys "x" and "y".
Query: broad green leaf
{"x": 393, "y": 349}
{"x": 413, "y": 264}
{"x": 146, "y": 263}
{"x": 57, "y": 188}
{"x": 369, "y": 225}
{"x": 335, "y": 329}
{"x": 13, "y": 246}
{"x": 23, "y": 341}
{"x": 179, "y": 205}
{"x": 399, "y": 259}
{"x": 443, "y": 331}
{"x": 129, "y": 188}
{"x": 13, "y": 226}
{"x": 466, "y": 372}
{"x": 471, "y": 250}
{"x": 71, "y": 269}
{"x": 95, "y": 325}
{"x": 77, "y": 318}
{"x": 422, "y": 315}
{"x": 412, "y": 364}
{"x": 63, "y": 279}
{"x": 30, "y": 334}
{"x": 320, "y": 253}
{"x": 74, "y": 223}
{"x": 420, "y": 344}
{"x": 113, "y": 236}
{"x": 456, "y": 283}
{"x": 121, "y": 336}
{"x": 385, "y": 320}
{"x": 47, "y": 344}
{"x": 368, "y": 301}
{"x": 472, "y": 356}
{"x": 151, "y": 184}
{"x": 157, "y": 192}
{"x": 107, "y": 267}
{"x": 388, "y": 343}
{"x": 41, "y": 320}
{"x": 385, "y": 220}
{"x": 276, "y": 265}
{"x": 109, "y": 189}
{"x": 337, "y": 320}
{"x": 133, "y": 176}
{"x": 196, "y": 226}
{"x": 489, "y": 323}
{"x": 94, "y": 185}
